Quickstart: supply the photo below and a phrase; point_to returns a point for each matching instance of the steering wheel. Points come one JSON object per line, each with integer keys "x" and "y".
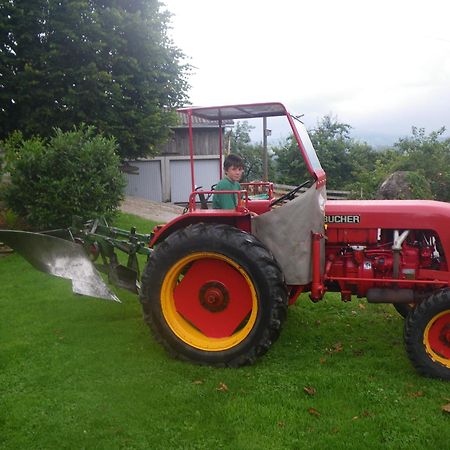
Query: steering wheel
{"x": 289, "y": 195}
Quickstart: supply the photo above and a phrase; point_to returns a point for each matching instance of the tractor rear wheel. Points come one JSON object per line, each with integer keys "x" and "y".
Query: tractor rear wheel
{"x": 213, "y": 294}
{"x": 427, "y": 336}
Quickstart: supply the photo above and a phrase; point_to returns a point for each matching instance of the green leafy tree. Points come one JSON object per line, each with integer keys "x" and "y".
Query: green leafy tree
{"x": 356, "y": 166}
{"x": 332, "y": 142}
{"x": 290, "y": 167}
{"x": 240, "y": 143}
{"x": 428, "y": 156}
{"x": 110, "y": 64}
{"x": 419, "y": 185}
{"x": 334, "y": 147}
{"x": 74, "y": 173}
{"x": 369, "y": 169}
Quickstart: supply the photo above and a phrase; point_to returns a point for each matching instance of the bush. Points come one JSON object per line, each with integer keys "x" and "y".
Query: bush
{"x": 75, "y": 173}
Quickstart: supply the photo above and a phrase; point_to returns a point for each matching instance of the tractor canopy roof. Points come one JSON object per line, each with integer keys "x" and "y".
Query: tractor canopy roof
{"x": 260, "y": 110}
{"x": 231, "y": 112}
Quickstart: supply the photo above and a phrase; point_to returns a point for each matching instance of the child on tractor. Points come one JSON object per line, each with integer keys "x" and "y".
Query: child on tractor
{"x": 233, "y": 167}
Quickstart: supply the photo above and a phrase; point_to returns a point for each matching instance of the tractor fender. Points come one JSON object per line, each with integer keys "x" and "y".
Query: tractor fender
{"x": 237, "y": 219}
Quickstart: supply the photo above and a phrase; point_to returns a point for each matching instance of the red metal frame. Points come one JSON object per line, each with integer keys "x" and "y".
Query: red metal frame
{"x": 393, "y": 215}
{"x": 248, "y": 111}
{"x": 341, "y": 234}
{"x": 191, "y": 149}
{"x": 242, "y": 197}
{"x": 240, "y": 217}
{"x": 317, "y": 286}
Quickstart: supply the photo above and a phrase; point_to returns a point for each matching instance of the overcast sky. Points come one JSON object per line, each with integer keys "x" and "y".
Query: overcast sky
{"x": 380, "y": 66}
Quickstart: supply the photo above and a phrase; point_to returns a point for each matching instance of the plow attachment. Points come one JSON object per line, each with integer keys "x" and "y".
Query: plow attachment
{"x": 60, "y": 258}
{"x": 72, "y": 254}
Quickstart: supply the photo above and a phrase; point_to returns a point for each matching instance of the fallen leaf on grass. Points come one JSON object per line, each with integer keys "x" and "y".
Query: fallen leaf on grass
{"x": 197, "y": 382}
{"x": 314, "y": 412}
{"x": 446, "y": 408}
{"x": 222, "y": 387}
{"x": 338, "y": 347}
{"x": 358, "y": 352}
{"x": 310, "y": 390}
{"x": 58, "y": 333}
{"x": 363, "y": 414}
{"x": 416, "y": 394}
{"x": 281, "y": 424}
{"x": 361, "y": 306}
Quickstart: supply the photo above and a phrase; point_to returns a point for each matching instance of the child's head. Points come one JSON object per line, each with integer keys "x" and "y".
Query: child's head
{"x": 233, "y": 160}
{"x": 233, "y": 167}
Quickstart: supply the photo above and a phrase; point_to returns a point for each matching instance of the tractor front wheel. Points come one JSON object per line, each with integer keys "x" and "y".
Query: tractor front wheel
{"x": 427, "y": 336}
{"x": 213, "y": 294}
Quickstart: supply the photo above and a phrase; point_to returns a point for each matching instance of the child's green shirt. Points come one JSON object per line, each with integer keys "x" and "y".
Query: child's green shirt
{"x": 226, "y": 201}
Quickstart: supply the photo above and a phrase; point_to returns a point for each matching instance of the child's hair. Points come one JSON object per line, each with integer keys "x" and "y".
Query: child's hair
{"x": 232, "y": 160}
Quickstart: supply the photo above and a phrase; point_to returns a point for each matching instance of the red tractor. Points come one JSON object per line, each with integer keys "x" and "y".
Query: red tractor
{"x": 217, "y": 283}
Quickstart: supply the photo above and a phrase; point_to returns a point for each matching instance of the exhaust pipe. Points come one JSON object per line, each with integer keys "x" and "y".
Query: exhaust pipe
{"x": 388, "y": 295}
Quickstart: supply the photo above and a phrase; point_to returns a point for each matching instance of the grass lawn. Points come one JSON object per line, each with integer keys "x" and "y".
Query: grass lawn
{"x": 78, "y": 373}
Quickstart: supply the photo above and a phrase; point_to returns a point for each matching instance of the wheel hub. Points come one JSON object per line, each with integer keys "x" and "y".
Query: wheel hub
{"x": 214, "y": 296}
{"x": 445, "y": 335}
{"x": 437, "y": 336}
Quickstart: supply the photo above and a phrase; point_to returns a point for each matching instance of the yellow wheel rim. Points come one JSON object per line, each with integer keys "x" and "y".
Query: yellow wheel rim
{"x": 436, "y": 338}
{"x": 231, "y": 299}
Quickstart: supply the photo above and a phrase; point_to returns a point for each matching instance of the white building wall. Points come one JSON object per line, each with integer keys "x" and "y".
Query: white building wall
{"x": 168, "y": 178}
{"x": 148, "y": 182}
{"x": 206, "y": 173}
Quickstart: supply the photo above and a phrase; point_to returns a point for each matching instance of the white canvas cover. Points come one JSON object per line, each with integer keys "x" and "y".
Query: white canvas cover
{"x": 286, "y": 232}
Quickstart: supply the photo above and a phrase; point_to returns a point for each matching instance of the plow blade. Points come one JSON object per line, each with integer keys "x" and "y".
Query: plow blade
{"x": 124, "y": 277}
{"x": 60, "y": 258}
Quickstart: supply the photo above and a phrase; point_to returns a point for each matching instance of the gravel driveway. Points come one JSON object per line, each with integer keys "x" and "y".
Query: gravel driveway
{"x": 148, "y": 209}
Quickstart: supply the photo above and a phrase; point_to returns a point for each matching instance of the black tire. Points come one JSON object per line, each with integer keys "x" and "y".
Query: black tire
{"x": 194, "y": 283}
{"x": 403, "y": 308}
{"x": 427, "y": 336}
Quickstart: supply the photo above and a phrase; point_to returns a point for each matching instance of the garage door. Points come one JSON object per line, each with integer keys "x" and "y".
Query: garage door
{"x": 206, "y": 174}
{"x": 147, "y": 183}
